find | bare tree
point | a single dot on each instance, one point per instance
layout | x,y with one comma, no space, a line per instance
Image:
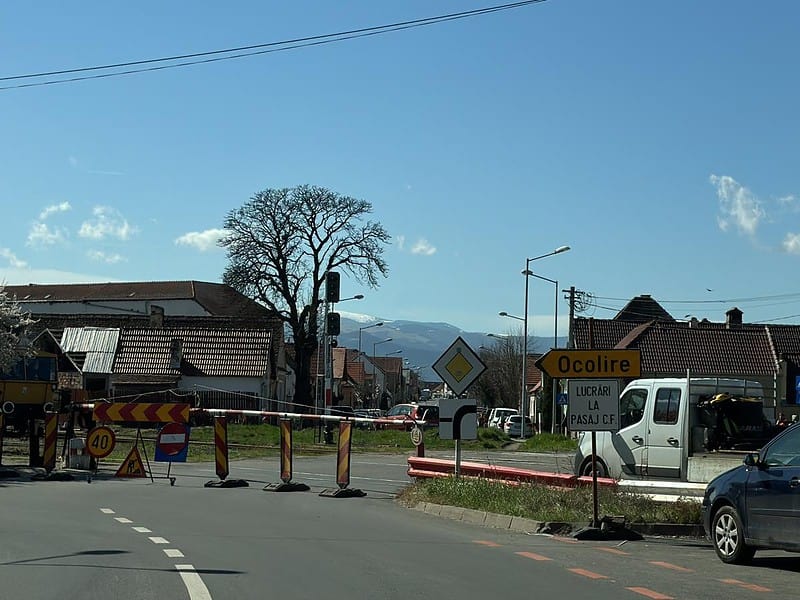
13,321
500,384
281,244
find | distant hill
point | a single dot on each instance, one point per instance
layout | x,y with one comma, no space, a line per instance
421,343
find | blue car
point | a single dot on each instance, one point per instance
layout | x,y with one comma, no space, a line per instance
757,505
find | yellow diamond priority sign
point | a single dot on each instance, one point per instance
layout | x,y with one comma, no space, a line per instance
459,366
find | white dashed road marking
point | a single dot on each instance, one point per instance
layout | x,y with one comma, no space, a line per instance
194,585
190,577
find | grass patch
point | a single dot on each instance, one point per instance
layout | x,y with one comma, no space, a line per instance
549,442
253,441
549,504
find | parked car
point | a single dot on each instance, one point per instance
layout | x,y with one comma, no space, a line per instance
757,504
403,416
498,415
512,426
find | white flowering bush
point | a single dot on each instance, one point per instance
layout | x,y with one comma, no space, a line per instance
13,321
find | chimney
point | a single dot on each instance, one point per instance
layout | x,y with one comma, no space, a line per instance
693,323
157,316
733,317
176,353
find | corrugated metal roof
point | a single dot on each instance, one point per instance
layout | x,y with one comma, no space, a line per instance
205,352
95,347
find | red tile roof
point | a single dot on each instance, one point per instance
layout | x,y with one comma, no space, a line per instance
216,298
208,352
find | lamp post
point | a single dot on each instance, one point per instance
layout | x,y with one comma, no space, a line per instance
360,329
375,364
328,354
525,272
529,273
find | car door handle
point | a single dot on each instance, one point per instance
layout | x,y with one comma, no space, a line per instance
794,482
637,439
673,441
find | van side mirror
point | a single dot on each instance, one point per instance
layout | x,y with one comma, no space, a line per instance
751,460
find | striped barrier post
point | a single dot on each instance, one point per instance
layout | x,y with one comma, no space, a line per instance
343,455
221,457
221,446
286,450
50,440
343,465
286,484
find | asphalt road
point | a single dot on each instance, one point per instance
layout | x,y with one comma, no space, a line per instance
137,539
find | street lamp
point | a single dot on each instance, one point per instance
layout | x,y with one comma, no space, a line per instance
375,365
503,313
327,357
529,273
360,329
526,272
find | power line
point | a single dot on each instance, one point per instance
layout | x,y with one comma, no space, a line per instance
793,295
251,50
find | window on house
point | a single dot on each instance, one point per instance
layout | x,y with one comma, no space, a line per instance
668,401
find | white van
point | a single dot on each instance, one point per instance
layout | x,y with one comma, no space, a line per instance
669,427
497,416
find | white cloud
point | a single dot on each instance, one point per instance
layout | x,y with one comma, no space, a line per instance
738,206
100,256
401,241
41,235
202,240
423,247
13,261
54,208
107,222
791,243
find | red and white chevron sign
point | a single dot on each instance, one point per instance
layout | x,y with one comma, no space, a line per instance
141,412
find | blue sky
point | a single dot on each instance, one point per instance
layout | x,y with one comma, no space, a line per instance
657,140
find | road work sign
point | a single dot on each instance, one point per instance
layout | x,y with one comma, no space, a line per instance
593,405
564,364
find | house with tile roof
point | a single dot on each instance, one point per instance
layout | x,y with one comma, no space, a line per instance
767,353
187,306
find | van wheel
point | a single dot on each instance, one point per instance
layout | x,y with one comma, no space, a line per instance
727,534
600,467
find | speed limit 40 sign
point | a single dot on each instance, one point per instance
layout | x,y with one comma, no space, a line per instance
100,441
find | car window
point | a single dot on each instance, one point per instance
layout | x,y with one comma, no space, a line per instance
785,450
631,407
668,401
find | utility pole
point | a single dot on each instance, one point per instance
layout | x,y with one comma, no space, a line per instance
571,341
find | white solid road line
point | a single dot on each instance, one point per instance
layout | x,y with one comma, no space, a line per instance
194,584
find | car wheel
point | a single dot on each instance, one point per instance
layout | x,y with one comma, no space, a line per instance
600,467
727,534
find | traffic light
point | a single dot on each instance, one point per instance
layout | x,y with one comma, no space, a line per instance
333,326
332,286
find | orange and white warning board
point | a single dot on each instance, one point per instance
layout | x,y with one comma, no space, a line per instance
132,465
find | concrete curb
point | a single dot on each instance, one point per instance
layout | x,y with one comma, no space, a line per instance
523,525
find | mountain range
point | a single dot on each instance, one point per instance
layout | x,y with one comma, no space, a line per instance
420,343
